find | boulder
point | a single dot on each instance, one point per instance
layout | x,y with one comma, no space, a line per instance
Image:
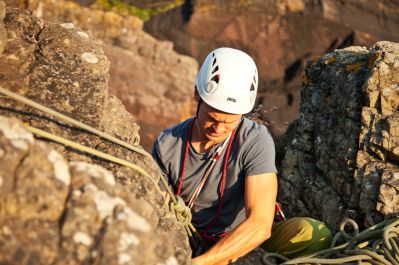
53,210
343,158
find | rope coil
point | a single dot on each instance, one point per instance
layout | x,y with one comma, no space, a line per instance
378,244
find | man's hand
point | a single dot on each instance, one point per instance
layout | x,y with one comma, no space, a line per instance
260,199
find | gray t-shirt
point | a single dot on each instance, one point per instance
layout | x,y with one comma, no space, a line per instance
252,153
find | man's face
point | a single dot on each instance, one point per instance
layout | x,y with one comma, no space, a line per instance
216,125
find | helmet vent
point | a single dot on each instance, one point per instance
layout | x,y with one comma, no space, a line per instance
214,73
215,78
215,69
253,83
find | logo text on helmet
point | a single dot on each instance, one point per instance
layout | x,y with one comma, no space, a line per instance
231,99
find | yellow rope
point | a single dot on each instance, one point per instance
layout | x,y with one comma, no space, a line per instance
91,151
110,138
182,212
72,121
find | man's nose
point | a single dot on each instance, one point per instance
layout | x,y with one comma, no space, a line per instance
219,127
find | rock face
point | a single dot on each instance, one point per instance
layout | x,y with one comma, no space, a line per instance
55,212
343,159
49,210
280,35
146,74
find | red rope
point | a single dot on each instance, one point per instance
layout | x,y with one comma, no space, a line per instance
190,129
222,188
222,184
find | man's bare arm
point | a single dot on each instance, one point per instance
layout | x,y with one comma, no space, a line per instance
260,198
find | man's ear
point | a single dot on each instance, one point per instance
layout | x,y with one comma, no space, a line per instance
196,95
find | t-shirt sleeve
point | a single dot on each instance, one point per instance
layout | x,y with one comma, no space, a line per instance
157,157
259,155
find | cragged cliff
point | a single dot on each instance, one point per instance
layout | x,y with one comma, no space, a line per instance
58,212
343,160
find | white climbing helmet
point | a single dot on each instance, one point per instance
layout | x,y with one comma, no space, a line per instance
228,81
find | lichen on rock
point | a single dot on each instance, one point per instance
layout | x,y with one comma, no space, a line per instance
343,157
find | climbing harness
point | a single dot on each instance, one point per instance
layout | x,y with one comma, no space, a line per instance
182,212
378,244
216,157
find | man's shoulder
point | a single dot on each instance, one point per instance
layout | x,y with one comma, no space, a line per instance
252,135
250,130
173,134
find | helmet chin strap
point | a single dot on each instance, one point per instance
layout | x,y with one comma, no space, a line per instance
197,117
198,107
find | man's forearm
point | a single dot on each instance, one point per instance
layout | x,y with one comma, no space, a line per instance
239,242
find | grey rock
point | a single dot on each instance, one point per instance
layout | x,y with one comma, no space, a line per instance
55,212
343,157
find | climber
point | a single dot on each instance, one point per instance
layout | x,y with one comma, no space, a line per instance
222,165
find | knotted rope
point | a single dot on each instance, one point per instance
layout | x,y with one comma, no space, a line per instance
378,244
182,212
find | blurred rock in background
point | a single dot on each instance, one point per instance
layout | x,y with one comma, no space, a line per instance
281,35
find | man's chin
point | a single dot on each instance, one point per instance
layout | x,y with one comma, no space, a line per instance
216,138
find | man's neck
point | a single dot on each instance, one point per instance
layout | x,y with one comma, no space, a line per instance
200,143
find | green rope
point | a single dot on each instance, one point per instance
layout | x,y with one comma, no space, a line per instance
272,258
378,244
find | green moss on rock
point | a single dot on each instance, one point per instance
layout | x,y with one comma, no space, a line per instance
143,13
